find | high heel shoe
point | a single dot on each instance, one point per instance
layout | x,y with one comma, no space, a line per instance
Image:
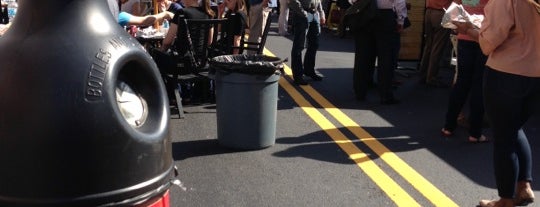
524,197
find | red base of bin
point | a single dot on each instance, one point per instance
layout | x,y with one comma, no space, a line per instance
163,201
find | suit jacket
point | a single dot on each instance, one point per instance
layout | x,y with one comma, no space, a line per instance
302,7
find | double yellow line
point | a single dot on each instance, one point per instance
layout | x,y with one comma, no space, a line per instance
387,184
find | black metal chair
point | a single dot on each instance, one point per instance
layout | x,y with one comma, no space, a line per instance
189,72
258,47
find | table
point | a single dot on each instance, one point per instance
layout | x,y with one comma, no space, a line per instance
150,42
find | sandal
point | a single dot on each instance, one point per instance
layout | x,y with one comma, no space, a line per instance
446,133
482,139
524,197
496,203
487,203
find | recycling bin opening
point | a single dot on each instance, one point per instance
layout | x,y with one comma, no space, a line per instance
133,106
135,95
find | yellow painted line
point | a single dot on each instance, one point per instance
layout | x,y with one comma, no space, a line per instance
432,193
389,186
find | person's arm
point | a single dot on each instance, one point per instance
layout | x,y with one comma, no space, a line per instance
296,8
236,44
166,15
322,16
149,20
401,11
211,35
499,20
142,21
169,38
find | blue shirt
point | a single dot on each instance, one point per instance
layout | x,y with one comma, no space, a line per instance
123,18
174,7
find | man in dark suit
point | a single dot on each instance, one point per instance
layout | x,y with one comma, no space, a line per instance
376,40
308,15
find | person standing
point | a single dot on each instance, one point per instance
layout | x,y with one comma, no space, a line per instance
436,41
343,23
308,15
378,40
470,69
509,36
258,11
283,21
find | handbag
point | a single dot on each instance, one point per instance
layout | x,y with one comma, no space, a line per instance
406,23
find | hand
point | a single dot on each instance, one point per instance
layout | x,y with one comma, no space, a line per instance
162,6
462,27
399,28
169,15
322,20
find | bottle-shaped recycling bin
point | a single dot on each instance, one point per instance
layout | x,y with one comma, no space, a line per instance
83,110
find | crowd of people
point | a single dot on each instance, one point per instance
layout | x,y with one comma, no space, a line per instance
498,68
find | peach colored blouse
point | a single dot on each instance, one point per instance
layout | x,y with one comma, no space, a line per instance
510,36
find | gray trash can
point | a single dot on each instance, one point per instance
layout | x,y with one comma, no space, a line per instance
246,100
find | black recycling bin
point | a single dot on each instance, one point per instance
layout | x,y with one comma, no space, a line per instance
246,100
83,111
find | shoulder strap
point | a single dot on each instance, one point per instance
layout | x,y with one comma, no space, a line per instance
186,39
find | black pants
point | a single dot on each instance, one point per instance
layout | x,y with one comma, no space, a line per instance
377,41
509,101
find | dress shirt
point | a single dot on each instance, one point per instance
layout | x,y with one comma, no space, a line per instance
399,6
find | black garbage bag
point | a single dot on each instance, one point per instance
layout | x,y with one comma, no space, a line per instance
248,64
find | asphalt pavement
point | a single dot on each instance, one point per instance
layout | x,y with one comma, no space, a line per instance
332,150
